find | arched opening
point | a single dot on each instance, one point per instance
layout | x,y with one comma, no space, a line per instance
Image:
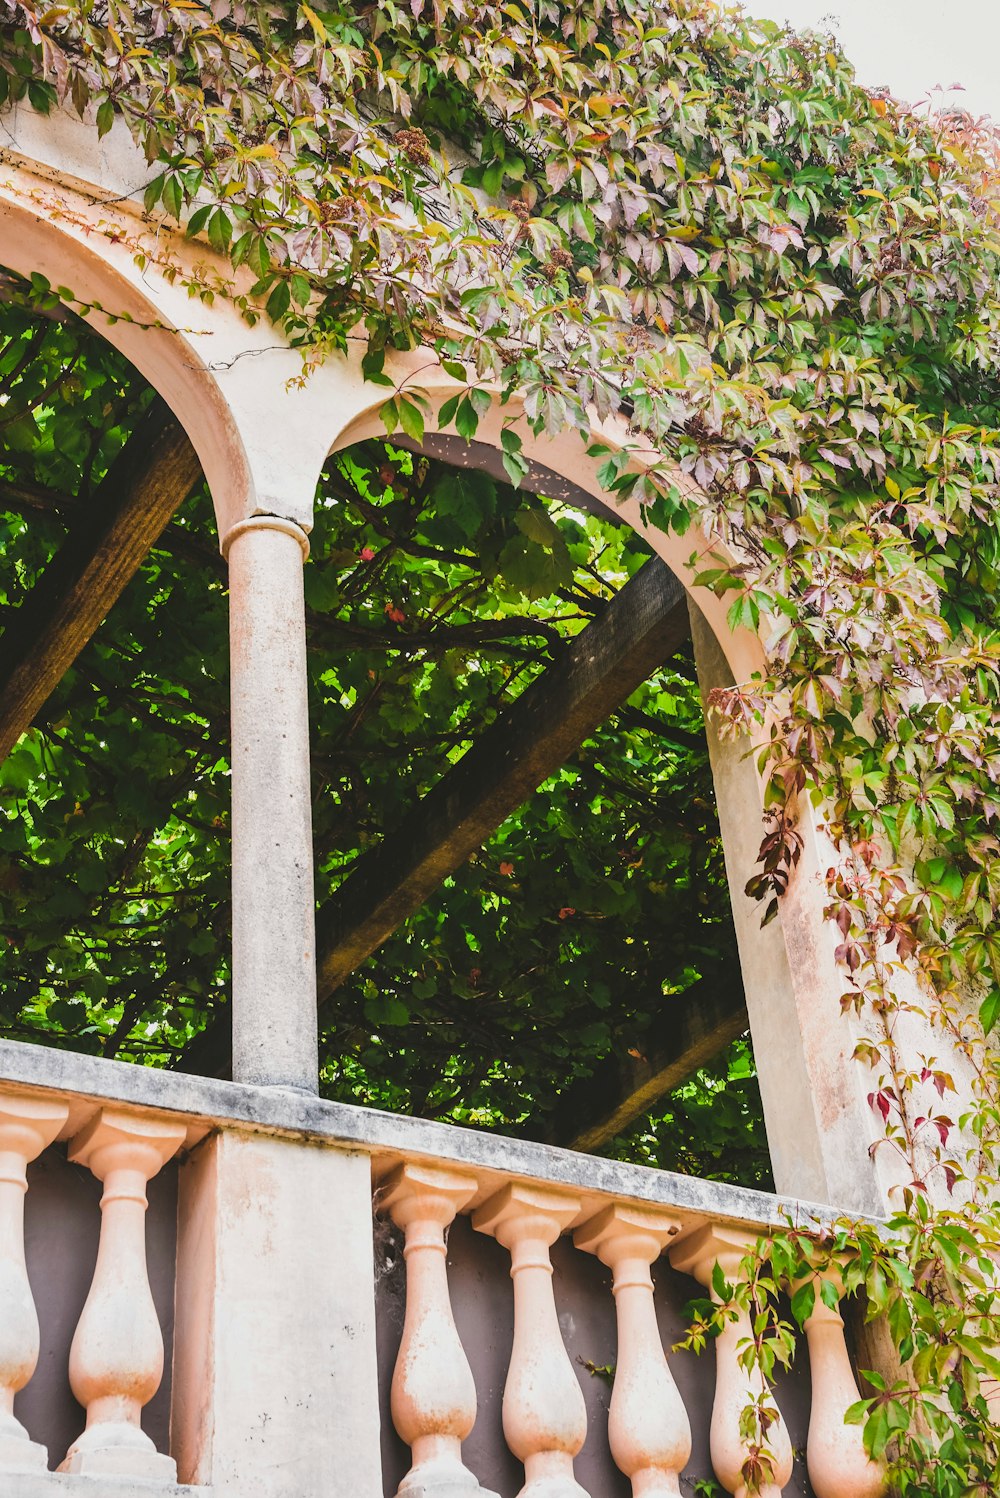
90,792
555,954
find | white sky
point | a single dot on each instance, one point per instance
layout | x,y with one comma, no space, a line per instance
910,45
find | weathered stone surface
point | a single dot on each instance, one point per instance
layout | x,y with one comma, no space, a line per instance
204,1101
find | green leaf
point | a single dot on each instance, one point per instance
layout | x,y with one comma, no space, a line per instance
372,365
446,415
279,301
259,259
989,1011
153,192
411,419
197,220
516,467
804,1301
466,419
172,195
386,1009
220,232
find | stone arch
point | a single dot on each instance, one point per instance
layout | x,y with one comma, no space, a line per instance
46,228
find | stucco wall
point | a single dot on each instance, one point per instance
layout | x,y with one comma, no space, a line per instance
479,1280
62,1219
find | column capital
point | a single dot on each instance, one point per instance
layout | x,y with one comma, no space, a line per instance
413,1190
265,523
116,1140
697,1252
520,1210
28,1125
618,1228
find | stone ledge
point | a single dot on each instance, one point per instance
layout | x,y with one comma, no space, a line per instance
65,1485
206,1103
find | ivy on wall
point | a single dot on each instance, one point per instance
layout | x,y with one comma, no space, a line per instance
790,287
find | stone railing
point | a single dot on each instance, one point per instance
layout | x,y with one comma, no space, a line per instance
573,1251
288,1328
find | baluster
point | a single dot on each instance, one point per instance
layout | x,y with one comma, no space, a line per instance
544,1415
648,1427
433,1394
27,1126
735,1387
116,1360
835,1454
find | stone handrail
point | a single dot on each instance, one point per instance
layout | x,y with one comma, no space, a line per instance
123,1123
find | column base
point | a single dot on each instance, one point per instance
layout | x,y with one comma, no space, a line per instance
19,1454
121,1461
554,1486
444,1481
445,1488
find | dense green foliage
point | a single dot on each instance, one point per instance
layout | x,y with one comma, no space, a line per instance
434,596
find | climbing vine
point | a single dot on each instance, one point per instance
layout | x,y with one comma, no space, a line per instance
790,288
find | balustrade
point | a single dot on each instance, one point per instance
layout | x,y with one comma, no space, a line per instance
433,1393
734,1453
564,1340
116,1361
544,1415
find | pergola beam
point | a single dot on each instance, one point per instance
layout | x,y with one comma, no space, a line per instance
151,477
690,1028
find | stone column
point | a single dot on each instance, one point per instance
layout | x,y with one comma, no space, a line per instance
819,1124
274,944
648,1427
837,1463
544,1414
116,1360
433,1391
737,1387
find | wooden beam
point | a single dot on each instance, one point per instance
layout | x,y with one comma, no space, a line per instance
642,626
639,629
152,475
689,1030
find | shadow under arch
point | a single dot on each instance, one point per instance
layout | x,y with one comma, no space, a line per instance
33,240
